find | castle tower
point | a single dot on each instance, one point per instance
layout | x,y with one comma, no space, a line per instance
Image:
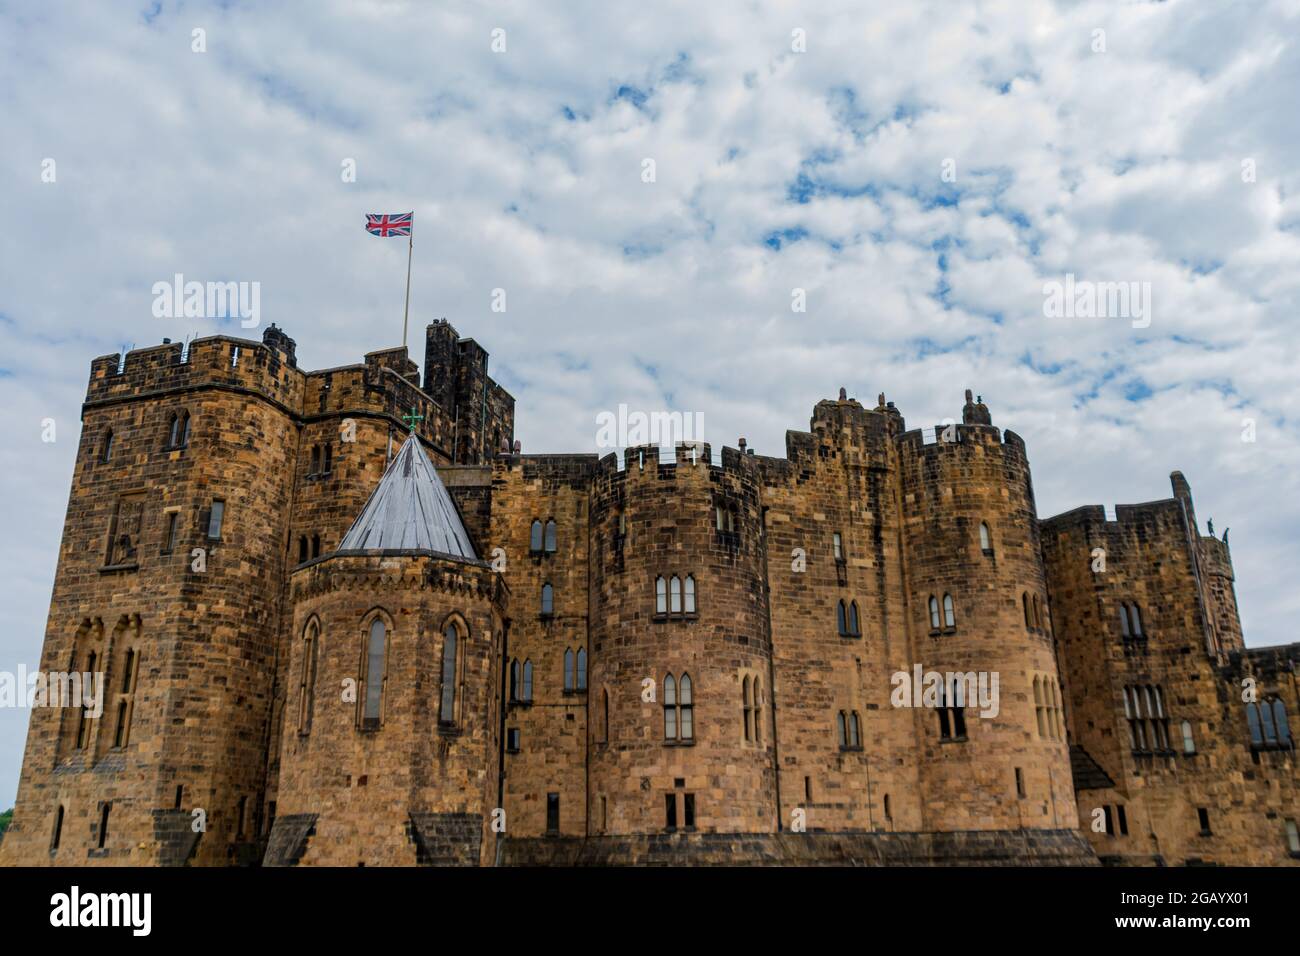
456,378
839,629
389,746
168,589
680,706
977,604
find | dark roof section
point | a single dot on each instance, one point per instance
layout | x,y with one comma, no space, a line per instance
1087,773
410,510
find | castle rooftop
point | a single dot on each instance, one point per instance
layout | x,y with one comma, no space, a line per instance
410,510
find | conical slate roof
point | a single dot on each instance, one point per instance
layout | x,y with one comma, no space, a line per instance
410,510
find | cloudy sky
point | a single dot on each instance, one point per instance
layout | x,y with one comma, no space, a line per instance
794,146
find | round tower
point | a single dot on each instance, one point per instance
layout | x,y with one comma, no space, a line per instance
681,728
390,739
980,632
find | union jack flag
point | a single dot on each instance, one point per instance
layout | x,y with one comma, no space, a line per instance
384,224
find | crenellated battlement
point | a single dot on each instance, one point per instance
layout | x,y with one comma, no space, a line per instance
216,361
1127,518
385,385
955,437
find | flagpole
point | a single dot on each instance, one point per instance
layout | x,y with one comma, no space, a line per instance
407,314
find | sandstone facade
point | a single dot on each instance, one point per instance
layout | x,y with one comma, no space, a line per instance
676,656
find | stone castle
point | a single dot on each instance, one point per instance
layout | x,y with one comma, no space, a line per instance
341,620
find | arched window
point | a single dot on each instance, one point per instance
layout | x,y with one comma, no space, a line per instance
83,727
568,669
1038,613
1252,719
661,595
550,534
1123,621
178,435
717,511
853,619
307,678
302,549
747,708
375,665
516,681
126,699
604,716
758,711
535,536
690,594
548,600
952,719
675,595
450,648
1024,599
105,453
934,613
315,546
687,707
842,730
1189,744
670,708
949,618
582,668
855,738
1280,722
315,460
1040,708
1144,708
528,680
841,619
58,828
1266,718
1135,620
986,543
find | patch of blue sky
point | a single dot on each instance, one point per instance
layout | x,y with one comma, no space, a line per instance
1043,368
941,290
679,71
925,347
805,188
845,109
779,238
1082,398
1201,267
1004,87
632,94
1136,390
